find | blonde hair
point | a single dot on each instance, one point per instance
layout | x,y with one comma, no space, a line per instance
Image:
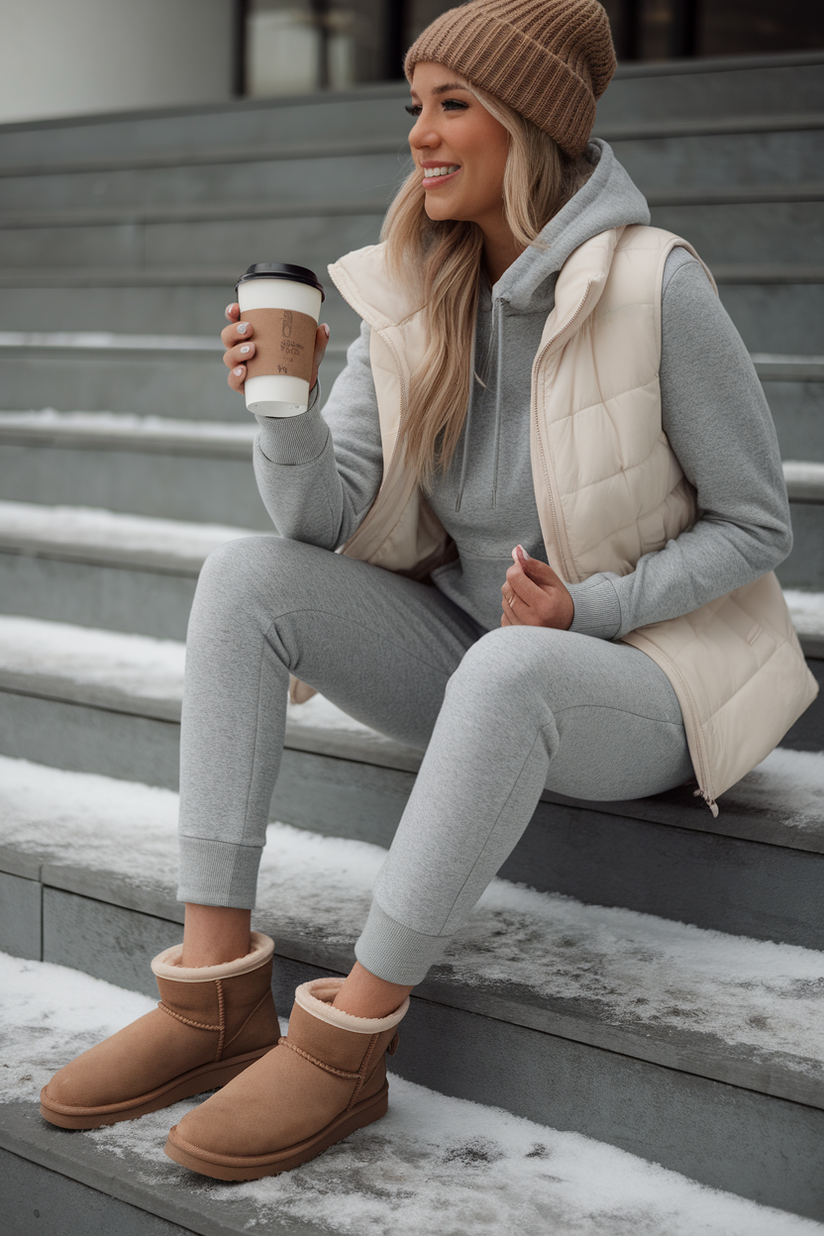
441,261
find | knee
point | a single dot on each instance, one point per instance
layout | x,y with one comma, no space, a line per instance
243,573
508,662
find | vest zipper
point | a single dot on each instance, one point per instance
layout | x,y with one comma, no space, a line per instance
561,542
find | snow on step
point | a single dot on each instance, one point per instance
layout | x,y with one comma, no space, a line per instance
433,1166
650,979
78,528
149,430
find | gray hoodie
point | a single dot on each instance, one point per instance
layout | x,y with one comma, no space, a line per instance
318,475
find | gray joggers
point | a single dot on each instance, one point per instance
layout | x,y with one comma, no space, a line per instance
500,715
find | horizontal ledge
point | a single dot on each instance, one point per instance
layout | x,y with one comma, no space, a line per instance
208,346
225,277
389,145
148,216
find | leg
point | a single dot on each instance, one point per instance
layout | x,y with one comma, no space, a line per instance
527,708
380,646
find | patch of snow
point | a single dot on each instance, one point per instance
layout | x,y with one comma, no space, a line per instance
806,609
129,424
435,1166
90,526
323,714
637,970
789,781
135,664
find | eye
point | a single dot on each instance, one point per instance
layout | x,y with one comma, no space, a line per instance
414,109
454,105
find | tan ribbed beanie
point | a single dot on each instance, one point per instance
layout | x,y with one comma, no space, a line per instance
548,59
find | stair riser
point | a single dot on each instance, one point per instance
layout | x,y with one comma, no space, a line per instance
763,90
184,309
798,412
35,1200
721,1134
723,883
322,179
722,160
716,160
146,385
137,599
187,487
772,317
88,594
789,232
307,240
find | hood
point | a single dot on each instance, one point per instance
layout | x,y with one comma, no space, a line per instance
608,199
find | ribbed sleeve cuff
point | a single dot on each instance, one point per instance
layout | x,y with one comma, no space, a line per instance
291,440
217,873
597,608
396,953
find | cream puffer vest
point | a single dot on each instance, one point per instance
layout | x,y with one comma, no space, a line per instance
608,487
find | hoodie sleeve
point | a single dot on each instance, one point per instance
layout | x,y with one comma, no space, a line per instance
718,423
318,475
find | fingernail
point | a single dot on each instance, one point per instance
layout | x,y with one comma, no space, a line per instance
523,552
237,372
326,330
226,311
242,328
243,351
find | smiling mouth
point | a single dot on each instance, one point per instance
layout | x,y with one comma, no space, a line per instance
432,175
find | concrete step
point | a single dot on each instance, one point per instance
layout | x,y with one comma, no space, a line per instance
755,151
185,302
434,1164
98,702
776,307
693,90
98,569
96,371
562,1002
779,226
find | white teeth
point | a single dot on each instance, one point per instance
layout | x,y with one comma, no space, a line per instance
429,172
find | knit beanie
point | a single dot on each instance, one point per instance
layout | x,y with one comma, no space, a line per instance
548,59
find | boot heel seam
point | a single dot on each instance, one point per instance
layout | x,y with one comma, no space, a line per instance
361,1075
221,1014
240,1030
327,1068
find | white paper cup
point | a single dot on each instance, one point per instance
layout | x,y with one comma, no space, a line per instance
283,304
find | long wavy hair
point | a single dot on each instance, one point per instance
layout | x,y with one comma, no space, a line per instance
441,260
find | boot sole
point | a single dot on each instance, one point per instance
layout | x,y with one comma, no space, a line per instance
229,1167
206,1077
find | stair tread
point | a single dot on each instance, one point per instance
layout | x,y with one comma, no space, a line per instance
88,532
779,802
433,1164
726,1007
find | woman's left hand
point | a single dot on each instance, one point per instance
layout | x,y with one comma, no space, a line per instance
534,596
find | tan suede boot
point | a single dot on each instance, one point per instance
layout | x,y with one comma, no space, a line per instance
323,1081
211,1023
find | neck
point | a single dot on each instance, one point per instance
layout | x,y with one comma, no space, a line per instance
499,254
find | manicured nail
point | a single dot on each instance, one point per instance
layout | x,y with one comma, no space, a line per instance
237,372
242,328
245,349
524,555
326,331
226,312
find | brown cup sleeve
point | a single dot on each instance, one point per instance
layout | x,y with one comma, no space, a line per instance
284,343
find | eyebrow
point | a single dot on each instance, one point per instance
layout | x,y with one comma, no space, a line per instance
445,89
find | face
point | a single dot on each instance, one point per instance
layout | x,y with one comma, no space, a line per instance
459,147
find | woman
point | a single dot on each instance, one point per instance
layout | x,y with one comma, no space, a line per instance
536,368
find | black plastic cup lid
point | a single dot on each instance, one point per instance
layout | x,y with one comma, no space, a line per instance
282,270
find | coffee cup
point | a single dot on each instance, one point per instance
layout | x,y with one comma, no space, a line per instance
282,302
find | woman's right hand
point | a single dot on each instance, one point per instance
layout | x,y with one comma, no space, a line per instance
240,348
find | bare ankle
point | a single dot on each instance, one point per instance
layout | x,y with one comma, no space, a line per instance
214,935
365,995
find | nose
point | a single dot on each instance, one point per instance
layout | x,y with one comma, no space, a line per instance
423,135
